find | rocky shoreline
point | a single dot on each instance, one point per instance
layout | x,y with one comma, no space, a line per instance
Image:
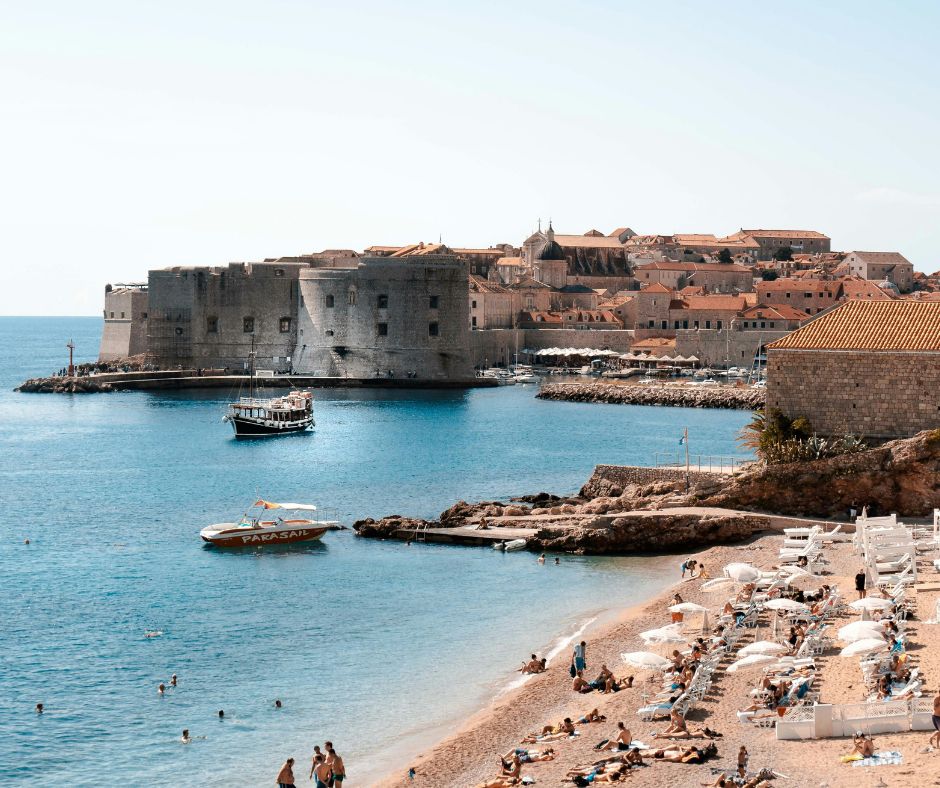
676,396
613,515
64,385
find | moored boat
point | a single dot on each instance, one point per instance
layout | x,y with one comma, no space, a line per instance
251,530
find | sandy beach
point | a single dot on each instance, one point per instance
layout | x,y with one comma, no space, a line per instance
472,754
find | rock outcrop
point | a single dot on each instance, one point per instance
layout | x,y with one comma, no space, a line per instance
676,396
901,476
647,532
63,385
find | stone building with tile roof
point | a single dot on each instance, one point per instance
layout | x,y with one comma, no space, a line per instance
868,368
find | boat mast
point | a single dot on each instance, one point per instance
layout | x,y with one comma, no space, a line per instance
251,369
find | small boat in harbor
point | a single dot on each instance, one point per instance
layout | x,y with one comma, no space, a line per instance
251,530
254,417
513,544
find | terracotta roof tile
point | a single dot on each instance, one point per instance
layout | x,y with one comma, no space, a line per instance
870,325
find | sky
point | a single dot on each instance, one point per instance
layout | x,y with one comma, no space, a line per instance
139,135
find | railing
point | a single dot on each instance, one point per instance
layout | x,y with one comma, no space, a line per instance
701,463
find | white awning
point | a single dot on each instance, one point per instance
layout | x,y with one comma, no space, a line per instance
307,507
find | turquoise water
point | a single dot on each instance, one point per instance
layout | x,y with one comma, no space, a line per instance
377,646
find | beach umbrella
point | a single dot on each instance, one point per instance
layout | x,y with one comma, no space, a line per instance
718,584
871,603
859,630
645,659
762,647
750,661
668,634
688,607
742,573
786,604
866,646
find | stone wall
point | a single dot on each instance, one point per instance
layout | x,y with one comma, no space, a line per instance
879,395
395,317
213,317
612,480
125,323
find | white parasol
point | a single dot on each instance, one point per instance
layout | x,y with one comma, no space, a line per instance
751,661
762,647
718,584
688,607
786,604
742,573
871,603
645,659
666,634
860,630
866,646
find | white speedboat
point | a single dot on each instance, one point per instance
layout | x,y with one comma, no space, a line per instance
514,544
525,377
251,530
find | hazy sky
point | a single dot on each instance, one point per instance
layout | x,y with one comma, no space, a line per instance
137,135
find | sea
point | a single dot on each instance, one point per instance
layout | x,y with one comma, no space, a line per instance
380,647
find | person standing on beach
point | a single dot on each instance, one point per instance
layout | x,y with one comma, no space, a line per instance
285,777
320,772
578,658
336,766
935,739
860,583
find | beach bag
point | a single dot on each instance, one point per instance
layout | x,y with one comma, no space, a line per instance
572,671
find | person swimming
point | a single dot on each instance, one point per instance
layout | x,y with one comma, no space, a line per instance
186,738
161,688
173,680
221,714
277,703
39,708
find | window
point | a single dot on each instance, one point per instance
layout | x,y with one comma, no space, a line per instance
719,325
351,296
695,324
112,315
212,325
788,295
329,332
763,324
664,324
179,332
284,325
435,300
677,324
473,322
433,330
329,302
279,272
122,315
650,324
143,315
474,269
771,323
708,324
473,304
381,329
382,302
248,325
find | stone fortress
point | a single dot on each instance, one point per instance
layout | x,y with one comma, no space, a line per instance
432,312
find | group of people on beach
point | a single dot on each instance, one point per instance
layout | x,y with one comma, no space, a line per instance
327,769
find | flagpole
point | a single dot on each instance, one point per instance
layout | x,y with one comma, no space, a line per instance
686,438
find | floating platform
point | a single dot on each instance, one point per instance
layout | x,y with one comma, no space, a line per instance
464,536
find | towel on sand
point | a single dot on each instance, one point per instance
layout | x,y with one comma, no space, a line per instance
886,758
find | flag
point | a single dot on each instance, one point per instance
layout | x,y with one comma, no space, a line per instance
682,440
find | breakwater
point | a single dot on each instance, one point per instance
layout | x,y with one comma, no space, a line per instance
675,396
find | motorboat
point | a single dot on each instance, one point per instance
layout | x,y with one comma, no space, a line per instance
252,530
525,377
501,376
514,544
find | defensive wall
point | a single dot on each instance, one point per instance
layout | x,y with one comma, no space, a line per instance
386,317
712,347
498,346
215,316
125,322
876,394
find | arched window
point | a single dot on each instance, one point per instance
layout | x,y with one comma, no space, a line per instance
351,296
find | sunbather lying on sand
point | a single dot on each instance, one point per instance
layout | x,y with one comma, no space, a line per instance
527,756
728,781
676,755
511,766
701,733
592,716
609,773
499,782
